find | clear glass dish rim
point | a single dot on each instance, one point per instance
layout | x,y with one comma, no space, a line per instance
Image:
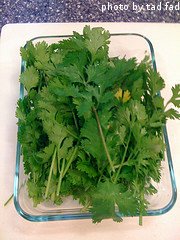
66,216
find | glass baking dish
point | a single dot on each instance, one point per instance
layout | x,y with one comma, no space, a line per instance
122,44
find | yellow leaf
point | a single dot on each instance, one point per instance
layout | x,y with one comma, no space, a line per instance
118,95
126,96
123,97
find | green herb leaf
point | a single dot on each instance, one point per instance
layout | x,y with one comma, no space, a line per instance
30,78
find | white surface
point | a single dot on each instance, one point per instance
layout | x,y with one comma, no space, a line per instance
166,41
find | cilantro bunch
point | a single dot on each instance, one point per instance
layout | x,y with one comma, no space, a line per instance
91,126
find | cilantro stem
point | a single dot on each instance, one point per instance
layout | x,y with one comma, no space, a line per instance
50,173
60,177
72,134
70,160
123,159
9,199
140,219
59,159
75,121
74,115
133,153
141,208
167,104
12,195
63,171
103,140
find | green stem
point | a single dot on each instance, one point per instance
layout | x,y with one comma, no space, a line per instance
123,159
50,173
70,160
60,177
72,134
103,140
167,104
133,153
12,195
9,199
58,158
140,219
73,114
75,121
141,208
64,170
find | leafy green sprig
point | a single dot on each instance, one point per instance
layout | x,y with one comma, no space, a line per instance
91,126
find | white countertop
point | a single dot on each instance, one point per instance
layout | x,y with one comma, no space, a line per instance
166,41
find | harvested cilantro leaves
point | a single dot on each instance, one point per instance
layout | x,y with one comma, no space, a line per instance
91,126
